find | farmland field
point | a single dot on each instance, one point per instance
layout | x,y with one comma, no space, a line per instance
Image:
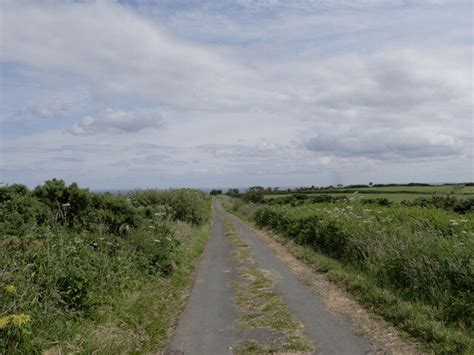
392,193
394,197
410,262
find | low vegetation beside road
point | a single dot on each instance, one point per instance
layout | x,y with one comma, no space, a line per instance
85,272
412,263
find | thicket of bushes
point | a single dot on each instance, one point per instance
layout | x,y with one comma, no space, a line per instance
65,252
448,203
422,254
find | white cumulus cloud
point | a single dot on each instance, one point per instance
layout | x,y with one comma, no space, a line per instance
114,121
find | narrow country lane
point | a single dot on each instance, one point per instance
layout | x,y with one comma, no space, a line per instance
217,319
207,323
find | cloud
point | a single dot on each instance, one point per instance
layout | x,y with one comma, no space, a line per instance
125,55
113,121
395,79
252,92
237,151
387,144
47,110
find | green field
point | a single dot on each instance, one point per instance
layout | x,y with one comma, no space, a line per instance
395,197
392,193
440,189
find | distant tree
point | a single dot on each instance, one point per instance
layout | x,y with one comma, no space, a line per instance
371,184
215,192
268,190
339,185
255,194
233,192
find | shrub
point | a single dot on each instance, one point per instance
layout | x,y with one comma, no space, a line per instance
187,205
115,212
68,204
233,192
254,194
448,203
380,201
20,213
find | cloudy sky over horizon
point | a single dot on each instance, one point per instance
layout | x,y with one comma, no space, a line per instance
141,93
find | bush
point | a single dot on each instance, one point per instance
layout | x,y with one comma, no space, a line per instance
255,194
233,193
380,201
114,212
187,205
20,212
448,203
158,246
67,203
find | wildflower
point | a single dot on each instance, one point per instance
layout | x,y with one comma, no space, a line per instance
9,289
4,322
20,319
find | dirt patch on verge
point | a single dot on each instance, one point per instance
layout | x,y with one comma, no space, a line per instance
384,336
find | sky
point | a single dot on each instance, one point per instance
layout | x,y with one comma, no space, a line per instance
221,93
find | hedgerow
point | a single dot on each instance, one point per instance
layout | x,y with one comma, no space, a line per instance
422,254
66,252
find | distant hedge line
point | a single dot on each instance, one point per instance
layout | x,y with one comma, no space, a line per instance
448,203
